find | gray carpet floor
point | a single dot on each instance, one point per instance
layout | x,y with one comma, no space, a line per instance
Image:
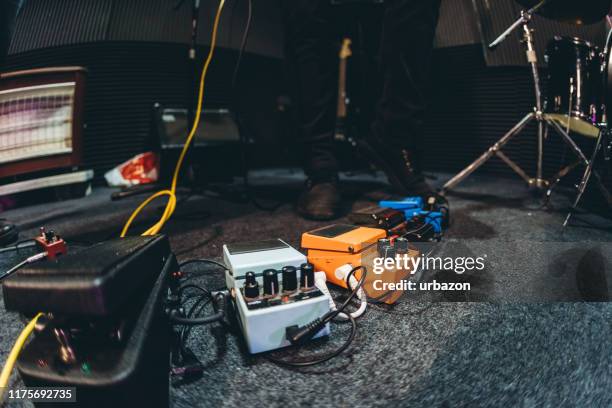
535,329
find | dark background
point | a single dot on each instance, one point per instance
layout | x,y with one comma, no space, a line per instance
136,52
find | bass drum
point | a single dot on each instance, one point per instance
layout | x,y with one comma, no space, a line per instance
607,80
574,79
607,87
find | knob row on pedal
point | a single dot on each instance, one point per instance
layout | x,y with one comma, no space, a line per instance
271,284
388,249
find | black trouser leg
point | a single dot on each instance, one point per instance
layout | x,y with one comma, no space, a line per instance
406,46
311,52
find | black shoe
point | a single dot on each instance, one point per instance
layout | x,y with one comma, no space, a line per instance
320,201
8,233
397,165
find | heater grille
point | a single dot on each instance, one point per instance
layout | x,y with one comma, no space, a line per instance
36,121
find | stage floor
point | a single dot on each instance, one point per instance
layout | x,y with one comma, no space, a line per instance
524,335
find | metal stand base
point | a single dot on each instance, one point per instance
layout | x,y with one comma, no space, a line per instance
494,150
534,182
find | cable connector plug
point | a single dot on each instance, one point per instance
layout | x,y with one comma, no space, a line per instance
32,259
37,257
190,365
301,334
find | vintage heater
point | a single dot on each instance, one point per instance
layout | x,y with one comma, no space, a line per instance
41,129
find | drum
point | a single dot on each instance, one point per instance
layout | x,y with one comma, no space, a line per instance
575,79
607,80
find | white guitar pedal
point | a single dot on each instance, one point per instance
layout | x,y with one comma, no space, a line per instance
273,288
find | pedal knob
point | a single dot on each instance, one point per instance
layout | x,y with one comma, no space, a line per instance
270,282
289,278
389,252
251,287
306,275
382,244
401,245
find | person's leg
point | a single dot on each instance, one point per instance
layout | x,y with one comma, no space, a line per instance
406,47
311,53
310,50
8,13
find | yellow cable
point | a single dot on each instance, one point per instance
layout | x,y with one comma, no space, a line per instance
171,193
12,358
170,206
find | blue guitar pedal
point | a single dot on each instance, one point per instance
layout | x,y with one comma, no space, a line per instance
414,207
403,204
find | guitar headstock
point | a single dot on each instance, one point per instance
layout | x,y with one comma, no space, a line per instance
345,50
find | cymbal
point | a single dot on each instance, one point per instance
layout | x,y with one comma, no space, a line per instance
571,11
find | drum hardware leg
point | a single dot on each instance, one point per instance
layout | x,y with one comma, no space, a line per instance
538,182
569,141
585,180
600,184
556,179
607,145
517,169
586,162
590,171
540,149
492,151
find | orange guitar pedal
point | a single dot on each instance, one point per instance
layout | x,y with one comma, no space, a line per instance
336,245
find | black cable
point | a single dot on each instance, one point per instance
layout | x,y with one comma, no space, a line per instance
192,313
14,269
196,310
202,260
324,320
176,318
185,287
355,290
201,302
18,245
243,44
324,358
236,112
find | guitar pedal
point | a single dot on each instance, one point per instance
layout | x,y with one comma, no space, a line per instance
108,335
377,217
272,287
414,207
334,246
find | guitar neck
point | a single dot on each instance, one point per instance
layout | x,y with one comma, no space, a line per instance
342,111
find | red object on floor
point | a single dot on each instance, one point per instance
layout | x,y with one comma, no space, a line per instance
141,169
